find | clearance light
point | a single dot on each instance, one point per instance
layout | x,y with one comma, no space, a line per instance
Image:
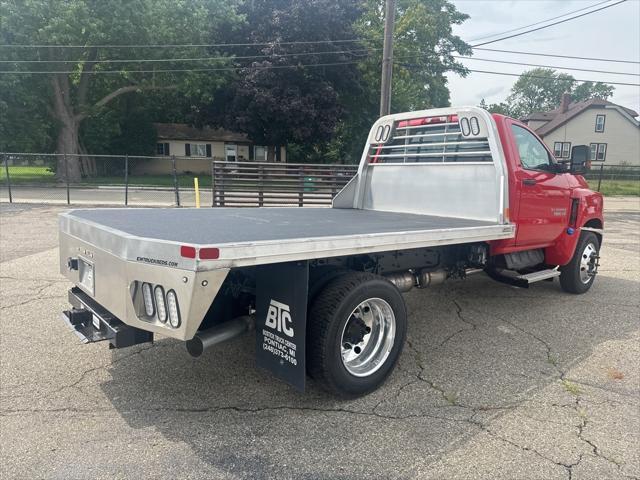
148,299
160,305
414,122
187,251
174,311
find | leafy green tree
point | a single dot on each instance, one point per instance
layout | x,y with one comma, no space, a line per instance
501,108
541,89
537,90
324,113
588,90
80,92
424,45
276,104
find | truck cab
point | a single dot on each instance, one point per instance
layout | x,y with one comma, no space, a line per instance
550,201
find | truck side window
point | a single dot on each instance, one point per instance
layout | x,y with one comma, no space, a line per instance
533,155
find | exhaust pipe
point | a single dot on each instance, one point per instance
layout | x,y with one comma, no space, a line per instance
405,281
218,334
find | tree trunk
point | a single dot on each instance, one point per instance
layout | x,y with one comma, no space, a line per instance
68,165
68,145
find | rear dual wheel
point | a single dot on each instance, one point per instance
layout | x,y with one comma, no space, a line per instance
356,330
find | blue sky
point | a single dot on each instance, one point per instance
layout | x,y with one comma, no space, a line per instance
612,33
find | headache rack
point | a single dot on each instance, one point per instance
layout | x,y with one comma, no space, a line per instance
446,162
431,139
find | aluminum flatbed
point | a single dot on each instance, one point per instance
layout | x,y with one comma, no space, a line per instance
435,195
253,236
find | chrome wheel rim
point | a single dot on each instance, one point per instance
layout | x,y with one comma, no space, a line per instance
588,263
367,337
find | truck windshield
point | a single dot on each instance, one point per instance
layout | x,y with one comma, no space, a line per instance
533,155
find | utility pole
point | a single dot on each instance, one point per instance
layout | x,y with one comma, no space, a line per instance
387,58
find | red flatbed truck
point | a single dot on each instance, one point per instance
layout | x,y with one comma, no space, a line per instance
438,194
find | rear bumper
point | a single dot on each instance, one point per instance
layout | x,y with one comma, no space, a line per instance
93,323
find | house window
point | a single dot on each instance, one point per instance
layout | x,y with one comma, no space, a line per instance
600,123
162,148
562,149
231,152
557,149
260,153
598,152
198,150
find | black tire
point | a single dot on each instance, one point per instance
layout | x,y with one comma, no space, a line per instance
328,316
319,277
570,280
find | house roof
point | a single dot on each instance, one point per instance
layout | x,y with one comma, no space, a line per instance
556,118
183,132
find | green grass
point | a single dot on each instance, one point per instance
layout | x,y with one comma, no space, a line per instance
617,187
32,175
571,387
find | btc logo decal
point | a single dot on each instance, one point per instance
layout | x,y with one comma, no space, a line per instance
279,318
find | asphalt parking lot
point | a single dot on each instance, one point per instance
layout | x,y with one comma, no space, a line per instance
494,383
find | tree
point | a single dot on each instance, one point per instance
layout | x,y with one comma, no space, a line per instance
84,93
502,108
289,97
588,90
541,89
537,90
324,113
424,45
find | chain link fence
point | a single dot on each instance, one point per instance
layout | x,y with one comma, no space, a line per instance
108,180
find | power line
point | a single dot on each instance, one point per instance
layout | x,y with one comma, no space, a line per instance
187,45
547,66
546,77
221,69
195,59
537,23
410,65
556,56
549,25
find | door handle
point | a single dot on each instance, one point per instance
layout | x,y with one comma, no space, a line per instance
529,181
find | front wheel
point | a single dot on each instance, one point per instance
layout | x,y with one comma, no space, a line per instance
357,327
578,275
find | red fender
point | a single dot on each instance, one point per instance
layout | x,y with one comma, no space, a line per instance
589,214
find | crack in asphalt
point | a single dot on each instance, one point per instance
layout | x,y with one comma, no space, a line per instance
594,448
33,297
84,374
462,319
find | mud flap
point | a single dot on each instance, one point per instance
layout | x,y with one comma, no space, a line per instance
281,320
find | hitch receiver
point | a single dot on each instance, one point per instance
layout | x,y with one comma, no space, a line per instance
92,323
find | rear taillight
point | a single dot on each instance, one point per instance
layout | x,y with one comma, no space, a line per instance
160,305
147,298
156,305
174,311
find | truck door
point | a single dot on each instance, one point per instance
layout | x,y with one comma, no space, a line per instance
544,205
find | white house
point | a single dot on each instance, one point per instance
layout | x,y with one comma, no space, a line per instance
611,131
195,148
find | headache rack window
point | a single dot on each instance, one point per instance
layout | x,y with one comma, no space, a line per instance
431,143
